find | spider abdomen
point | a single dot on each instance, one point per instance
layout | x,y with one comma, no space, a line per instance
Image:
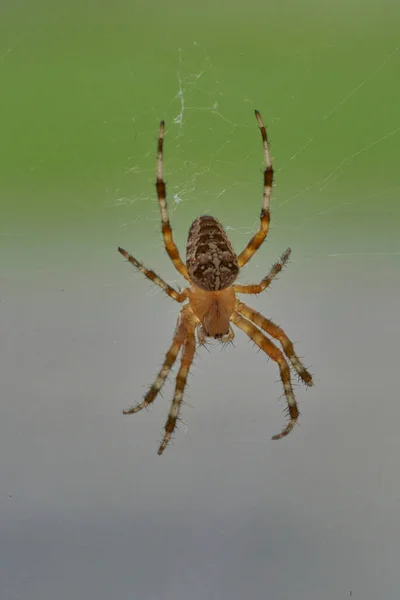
211,262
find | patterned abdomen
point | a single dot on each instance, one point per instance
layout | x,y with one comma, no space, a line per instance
211,262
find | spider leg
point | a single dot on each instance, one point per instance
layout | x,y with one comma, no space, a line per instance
170,358
261,234
273,273
169,243
276,332
172,293
273,352
188,353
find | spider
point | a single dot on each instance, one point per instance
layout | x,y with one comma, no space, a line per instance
210,302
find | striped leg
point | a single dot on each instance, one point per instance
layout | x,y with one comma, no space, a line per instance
170,358
273,273
261,234
181,379
178,296
169,243
273,352
276,332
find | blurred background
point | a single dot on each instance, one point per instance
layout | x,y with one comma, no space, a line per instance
87,508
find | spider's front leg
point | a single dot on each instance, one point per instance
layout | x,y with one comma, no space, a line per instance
169,361
188,353
273,352
277,333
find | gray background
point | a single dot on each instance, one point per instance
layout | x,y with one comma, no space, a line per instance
87,508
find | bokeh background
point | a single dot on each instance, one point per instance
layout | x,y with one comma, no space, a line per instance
87,508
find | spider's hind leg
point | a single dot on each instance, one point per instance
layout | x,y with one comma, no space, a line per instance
166,228
262,233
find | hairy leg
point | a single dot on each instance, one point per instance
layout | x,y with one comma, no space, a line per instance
178,296
261,234
169,243
276,332
170,358
273,352
273,273
181,379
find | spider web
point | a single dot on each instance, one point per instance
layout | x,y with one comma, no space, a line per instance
213,164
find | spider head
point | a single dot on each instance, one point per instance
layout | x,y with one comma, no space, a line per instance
213,309
216,321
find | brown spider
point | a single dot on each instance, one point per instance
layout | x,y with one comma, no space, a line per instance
211,269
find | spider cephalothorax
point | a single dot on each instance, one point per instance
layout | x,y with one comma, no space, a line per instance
210,302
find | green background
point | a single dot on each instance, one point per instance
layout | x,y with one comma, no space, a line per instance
86,506
85,85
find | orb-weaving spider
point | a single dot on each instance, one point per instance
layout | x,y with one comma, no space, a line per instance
210,300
